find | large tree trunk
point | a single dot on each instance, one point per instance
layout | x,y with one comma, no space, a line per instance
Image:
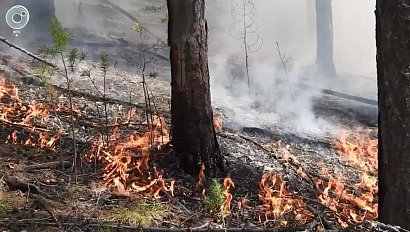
324,30
193,136
393,68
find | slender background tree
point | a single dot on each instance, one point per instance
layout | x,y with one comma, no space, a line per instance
193,135
393,68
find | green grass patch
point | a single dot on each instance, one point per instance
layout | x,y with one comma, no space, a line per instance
214,197
143,214
5,209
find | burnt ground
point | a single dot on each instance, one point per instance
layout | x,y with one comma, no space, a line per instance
249,151
89,205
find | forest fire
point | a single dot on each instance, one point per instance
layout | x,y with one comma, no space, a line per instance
43,140
203,117
226,206
126,161
358,148
278,202
14,112
201,176
360,203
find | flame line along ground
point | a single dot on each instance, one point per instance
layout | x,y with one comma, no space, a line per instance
311,175
296,166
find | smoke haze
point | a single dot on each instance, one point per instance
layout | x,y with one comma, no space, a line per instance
275,98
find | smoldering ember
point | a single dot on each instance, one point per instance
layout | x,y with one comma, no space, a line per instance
194,115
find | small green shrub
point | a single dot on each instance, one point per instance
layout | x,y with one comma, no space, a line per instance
215,197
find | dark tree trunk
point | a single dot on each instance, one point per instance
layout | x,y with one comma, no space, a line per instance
393,70
193,136
324,30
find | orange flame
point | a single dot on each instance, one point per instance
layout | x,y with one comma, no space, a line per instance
201,176
278,202
359,148
357,204
243,203
217,121
14,111
127,160
226,206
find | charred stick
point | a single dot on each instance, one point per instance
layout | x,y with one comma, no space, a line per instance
15,184
64,164
4,40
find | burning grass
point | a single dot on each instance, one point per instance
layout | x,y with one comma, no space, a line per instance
358,148
126,160
127,166
32,117
279,204
359,202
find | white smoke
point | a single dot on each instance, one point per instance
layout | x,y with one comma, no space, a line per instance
276,98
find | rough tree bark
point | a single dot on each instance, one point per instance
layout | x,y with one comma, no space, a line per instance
393,68
324,30
193,136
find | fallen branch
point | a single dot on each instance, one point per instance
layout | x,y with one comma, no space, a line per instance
131,17
15,184
64,164
4,40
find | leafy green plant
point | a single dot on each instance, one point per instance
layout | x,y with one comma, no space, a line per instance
215,198
60,37
60,40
